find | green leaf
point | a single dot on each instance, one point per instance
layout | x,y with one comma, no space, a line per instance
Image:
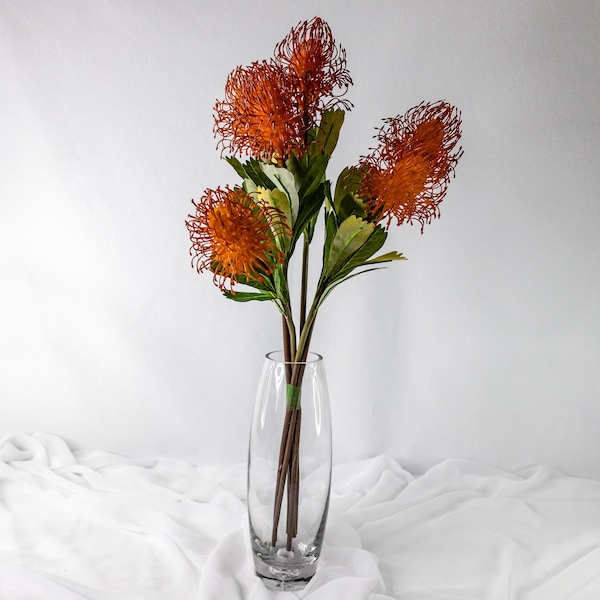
347,184
309,208
277,199
350,236
309,230
293,166
237,165
284,180
251,170
314,176
254,168
266,285
393,255
281,201
328,131
249,186
363,254
248,296
349,206
330,229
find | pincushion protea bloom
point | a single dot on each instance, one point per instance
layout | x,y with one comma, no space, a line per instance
235,237
270,106
316,68
407,175
258,116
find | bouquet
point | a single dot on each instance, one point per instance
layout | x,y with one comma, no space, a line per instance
277,126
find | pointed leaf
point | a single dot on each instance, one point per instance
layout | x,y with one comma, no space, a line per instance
363,254
330,229
284,180
347,184
237,165
315,176
349,205
293,165
248,296
309,208
350,236
266,285
386,258
328,131
251,170
254,168
249,186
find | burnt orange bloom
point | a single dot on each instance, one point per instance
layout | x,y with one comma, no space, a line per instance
270,106
258,116
407,175
234,237
316,66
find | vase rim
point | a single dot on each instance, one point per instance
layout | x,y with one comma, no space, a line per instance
278,356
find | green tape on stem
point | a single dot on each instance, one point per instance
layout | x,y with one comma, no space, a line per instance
293,396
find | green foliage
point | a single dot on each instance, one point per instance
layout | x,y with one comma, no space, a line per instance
348,238
300,190
314,176
328,131
388,257
346,200
309,210
350,247
248,296
251,170
267,285
285,182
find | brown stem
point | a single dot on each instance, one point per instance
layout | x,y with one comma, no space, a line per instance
282,470
304,286
289,496
294,484
281,475
289,459
300,363
287,348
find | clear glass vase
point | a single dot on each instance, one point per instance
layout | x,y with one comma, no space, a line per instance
289,471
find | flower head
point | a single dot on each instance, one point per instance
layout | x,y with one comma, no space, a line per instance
258,116
407,175
316,66
234,237
270,106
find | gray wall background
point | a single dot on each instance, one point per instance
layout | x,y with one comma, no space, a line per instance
484,345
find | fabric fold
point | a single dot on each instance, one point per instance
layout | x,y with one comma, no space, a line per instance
99,526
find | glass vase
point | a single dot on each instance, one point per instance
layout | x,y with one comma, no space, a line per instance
289,471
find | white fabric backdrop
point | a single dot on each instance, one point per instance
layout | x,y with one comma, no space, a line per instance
484,345
95,525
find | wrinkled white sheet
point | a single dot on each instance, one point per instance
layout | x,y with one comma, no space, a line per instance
95,525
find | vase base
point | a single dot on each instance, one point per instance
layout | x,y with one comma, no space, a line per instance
282,577
283,585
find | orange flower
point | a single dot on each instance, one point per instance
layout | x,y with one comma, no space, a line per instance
234,237
270,106
316,67
407,175
258,116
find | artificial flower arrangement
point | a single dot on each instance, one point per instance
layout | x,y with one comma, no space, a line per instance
284,116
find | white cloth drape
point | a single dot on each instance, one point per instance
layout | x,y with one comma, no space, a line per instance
94,525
